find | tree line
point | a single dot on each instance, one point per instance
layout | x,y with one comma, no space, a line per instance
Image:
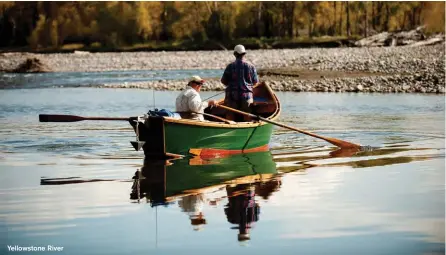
112,24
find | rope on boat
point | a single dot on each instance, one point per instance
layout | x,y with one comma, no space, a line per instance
153,95
137,130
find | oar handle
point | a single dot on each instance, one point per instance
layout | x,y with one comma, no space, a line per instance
73,118
334,141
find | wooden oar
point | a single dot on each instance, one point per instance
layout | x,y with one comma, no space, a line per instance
73,118
334,141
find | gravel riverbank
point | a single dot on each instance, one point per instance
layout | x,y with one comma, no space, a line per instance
380,69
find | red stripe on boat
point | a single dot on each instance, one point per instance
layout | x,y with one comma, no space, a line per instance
214,153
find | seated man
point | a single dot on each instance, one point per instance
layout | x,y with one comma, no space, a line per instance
188,102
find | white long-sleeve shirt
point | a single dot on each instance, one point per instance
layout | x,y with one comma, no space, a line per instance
189,100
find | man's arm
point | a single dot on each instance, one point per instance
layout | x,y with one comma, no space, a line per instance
255,77
226,75
196,105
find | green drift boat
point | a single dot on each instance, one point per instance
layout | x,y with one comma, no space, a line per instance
165,136
164,181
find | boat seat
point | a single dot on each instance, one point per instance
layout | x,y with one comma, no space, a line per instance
261,101
263,105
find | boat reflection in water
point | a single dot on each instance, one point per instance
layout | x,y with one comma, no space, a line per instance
193,182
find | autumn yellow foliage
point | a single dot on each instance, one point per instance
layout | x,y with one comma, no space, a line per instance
111,24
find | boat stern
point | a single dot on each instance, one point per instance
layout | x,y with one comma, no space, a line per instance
149,136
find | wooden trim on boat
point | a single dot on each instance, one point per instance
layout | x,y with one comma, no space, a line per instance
276,101
190,122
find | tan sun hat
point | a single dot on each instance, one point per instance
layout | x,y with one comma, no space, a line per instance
196,79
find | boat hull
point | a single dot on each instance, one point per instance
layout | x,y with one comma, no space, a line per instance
181,138
184,138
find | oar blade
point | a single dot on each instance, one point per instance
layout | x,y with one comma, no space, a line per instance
341,143
59,118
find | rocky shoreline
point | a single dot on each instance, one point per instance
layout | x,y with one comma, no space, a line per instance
405,69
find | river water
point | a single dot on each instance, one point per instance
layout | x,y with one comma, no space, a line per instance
298,198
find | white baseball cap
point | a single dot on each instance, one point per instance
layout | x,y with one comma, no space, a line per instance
240,49
196,79
243,237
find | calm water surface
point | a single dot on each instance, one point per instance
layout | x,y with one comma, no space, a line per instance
299,198
89,79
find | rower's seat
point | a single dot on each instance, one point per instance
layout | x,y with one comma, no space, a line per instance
260,101
263,105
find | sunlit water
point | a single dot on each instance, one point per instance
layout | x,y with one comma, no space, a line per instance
386,201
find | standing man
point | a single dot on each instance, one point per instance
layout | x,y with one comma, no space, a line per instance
239,78
242,209
189,103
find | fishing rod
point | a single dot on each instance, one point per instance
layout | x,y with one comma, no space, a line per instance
214,95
